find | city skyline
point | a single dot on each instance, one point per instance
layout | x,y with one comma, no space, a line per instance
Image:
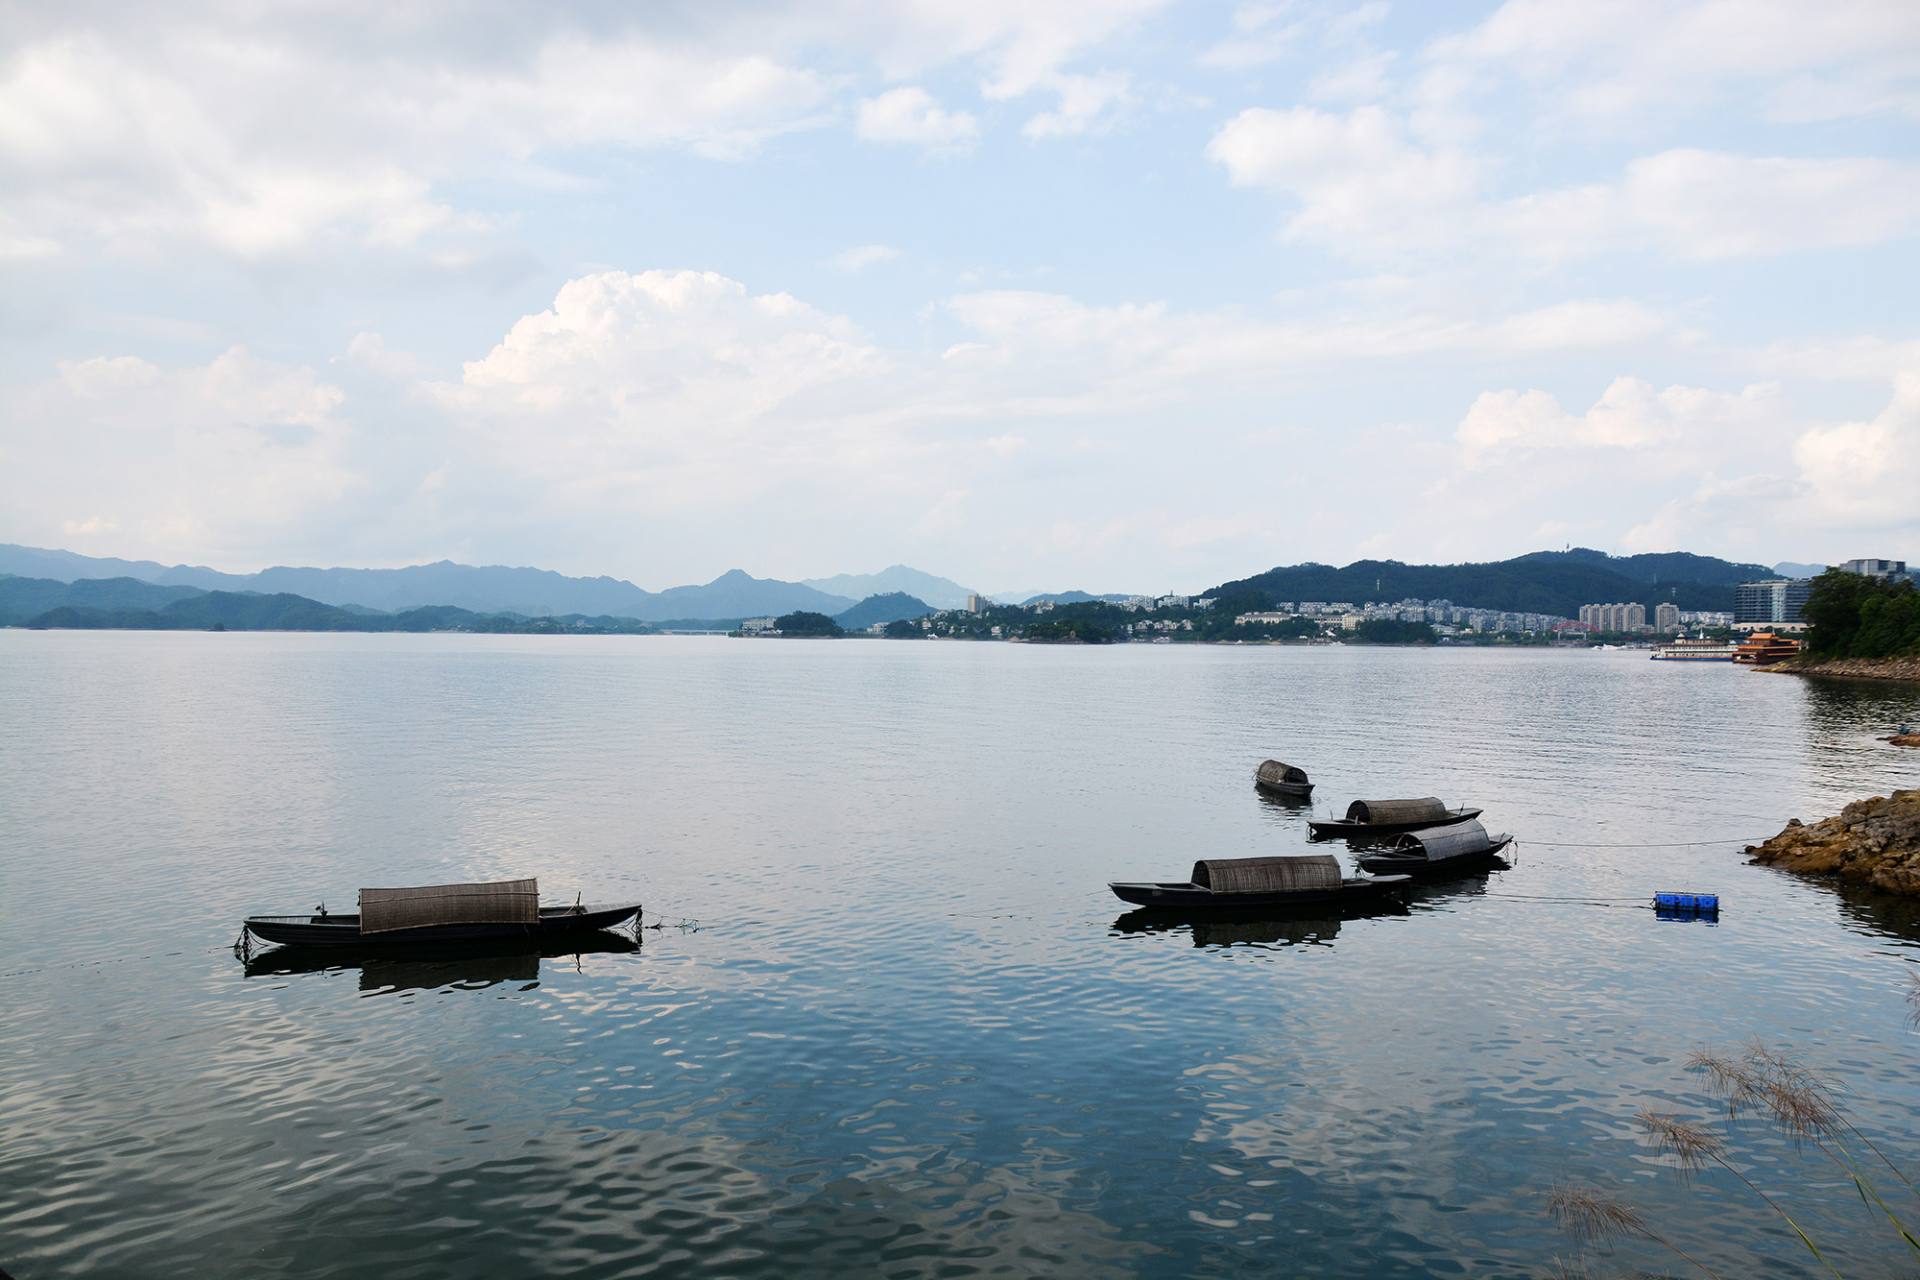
1123,295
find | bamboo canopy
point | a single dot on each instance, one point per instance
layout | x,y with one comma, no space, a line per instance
1267,875
1275,773
1428,809
1441,843
497,902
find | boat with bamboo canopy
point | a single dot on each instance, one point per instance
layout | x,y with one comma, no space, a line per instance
438,914
1368,819
1247,884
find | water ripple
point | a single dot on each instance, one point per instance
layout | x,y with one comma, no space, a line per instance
913,1035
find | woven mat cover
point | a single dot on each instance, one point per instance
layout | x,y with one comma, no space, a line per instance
498,902
1267,875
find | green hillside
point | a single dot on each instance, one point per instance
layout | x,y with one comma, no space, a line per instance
1556,582
25,598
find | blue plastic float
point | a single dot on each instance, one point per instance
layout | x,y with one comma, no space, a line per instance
1674,905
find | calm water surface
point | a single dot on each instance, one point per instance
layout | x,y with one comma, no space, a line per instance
912,1033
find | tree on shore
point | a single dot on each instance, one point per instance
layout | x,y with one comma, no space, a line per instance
1393,631
1850,615
806,623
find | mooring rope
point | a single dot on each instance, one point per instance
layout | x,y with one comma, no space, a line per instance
1658,844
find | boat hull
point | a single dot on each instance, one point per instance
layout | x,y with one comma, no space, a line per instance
1421,868
344,930
1341,828
1193,898
1291,790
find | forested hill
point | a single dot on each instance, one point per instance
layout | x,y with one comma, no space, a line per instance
893,606
1556,582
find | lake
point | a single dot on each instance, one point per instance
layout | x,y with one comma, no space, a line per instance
896,1023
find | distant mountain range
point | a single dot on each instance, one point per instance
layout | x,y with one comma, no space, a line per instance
129,604
1789,569
1554,582
490,589
500,597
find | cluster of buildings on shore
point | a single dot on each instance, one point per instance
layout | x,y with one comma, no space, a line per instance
1631,619
1769,604
1774,604
1132,604
1444,616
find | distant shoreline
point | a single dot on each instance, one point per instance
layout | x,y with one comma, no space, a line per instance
653,633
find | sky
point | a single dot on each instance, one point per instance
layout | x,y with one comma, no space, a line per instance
1107,294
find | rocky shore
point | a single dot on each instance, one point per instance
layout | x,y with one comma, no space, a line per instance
1854,668
1875,843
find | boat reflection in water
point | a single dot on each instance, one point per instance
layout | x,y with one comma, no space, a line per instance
1229,931
450,968
1283,803
1466,882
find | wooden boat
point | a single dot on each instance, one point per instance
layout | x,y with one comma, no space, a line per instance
435,915
1282,779
1245,884
1449,850
1369,818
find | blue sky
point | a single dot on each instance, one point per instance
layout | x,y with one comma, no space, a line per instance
1121,295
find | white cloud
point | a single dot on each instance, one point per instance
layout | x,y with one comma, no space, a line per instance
139,136
1361,79
265,132
1691,467
684,396
669,390
1356,178
210,459
1867,474
1362,184
1702,204
1262,33
91,527
1058,354
1022,45
1630,415
910,115
1086,103
862,256
369,351
1618,60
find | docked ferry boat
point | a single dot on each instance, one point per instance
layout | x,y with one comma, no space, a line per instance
1684,650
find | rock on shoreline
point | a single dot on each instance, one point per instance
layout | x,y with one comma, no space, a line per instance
1872,842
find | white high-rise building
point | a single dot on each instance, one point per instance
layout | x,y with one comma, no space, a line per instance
1876,568
1614,617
